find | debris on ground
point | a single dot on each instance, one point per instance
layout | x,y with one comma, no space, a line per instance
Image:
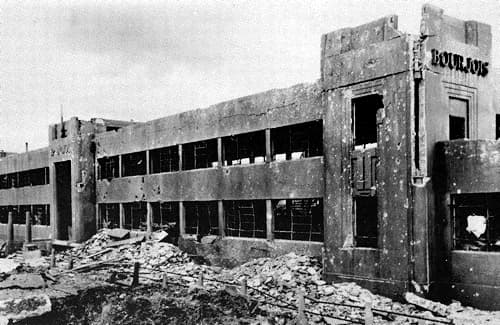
274,287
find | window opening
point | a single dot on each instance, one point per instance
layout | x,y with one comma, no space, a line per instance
365,221
364,120
298,219
297,141
166,218
497,127
108,167
245,218
476,221
459,118
40,215
4,214
164,160
134,164
109,216
247,148
202,154
135,216
201,218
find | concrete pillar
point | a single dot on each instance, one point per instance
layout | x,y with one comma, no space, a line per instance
122,216
120,168
269,220
182,219
149,218
97,216
10,230
222,224
268,145
27,237
147,163
180,157
219,151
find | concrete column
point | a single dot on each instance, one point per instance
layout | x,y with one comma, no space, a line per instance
268,146
222,223
147,163
122,216
180,157
27,237
149,218
97,215
182,219
120,171
10,229
269,220
219,151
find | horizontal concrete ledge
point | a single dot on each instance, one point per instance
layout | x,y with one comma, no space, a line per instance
302,178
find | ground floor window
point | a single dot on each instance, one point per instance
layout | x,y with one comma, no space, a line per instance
476,221
135,216
245,218
40,214
298,219
201,218
109,216
166,217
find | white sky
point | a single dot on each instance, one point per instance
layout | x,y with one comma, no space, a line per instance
144,60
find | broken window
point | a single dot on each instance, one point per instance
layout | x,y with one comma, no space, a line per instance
34,177
201,218
4,214
109,216
365,221
476,221
4,182
40,215
164,160
245,218
202,154
364,119
16,216
459,118
497,127
22,214
135,216
297,141
166,217
108,167
134,164
298,219
112,128
12,180
248,148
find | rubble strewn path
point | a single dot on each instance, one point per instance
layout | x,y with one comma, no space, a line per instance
91,284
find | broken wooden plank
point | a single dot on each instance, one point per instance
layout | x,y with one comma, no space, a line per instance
101,252
118,233
432,306
133,240
65,243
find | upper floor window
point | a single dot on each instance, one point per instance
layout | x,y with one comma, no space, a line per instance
297,141
364,119
247,148
108,167
202,154
459,118
164,160
134,164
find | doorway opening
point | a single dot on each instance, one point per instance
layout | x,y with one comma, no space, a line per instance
63,195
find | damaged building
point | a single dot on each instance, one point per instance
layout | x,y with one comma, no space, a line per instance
387,167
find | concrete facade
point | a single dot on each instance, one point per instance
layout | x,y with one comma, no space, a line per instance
381,173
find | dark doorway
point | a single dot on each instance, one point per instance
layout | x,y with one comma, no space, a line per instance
63,195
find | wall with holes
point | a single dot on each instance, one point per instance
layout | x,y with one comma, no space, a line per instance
457,100
369,62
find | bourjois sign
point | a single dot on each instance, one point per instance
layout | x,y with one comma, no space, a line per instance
457,62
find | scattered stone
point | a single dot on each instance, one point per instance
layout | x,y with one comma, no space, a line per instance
23,281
